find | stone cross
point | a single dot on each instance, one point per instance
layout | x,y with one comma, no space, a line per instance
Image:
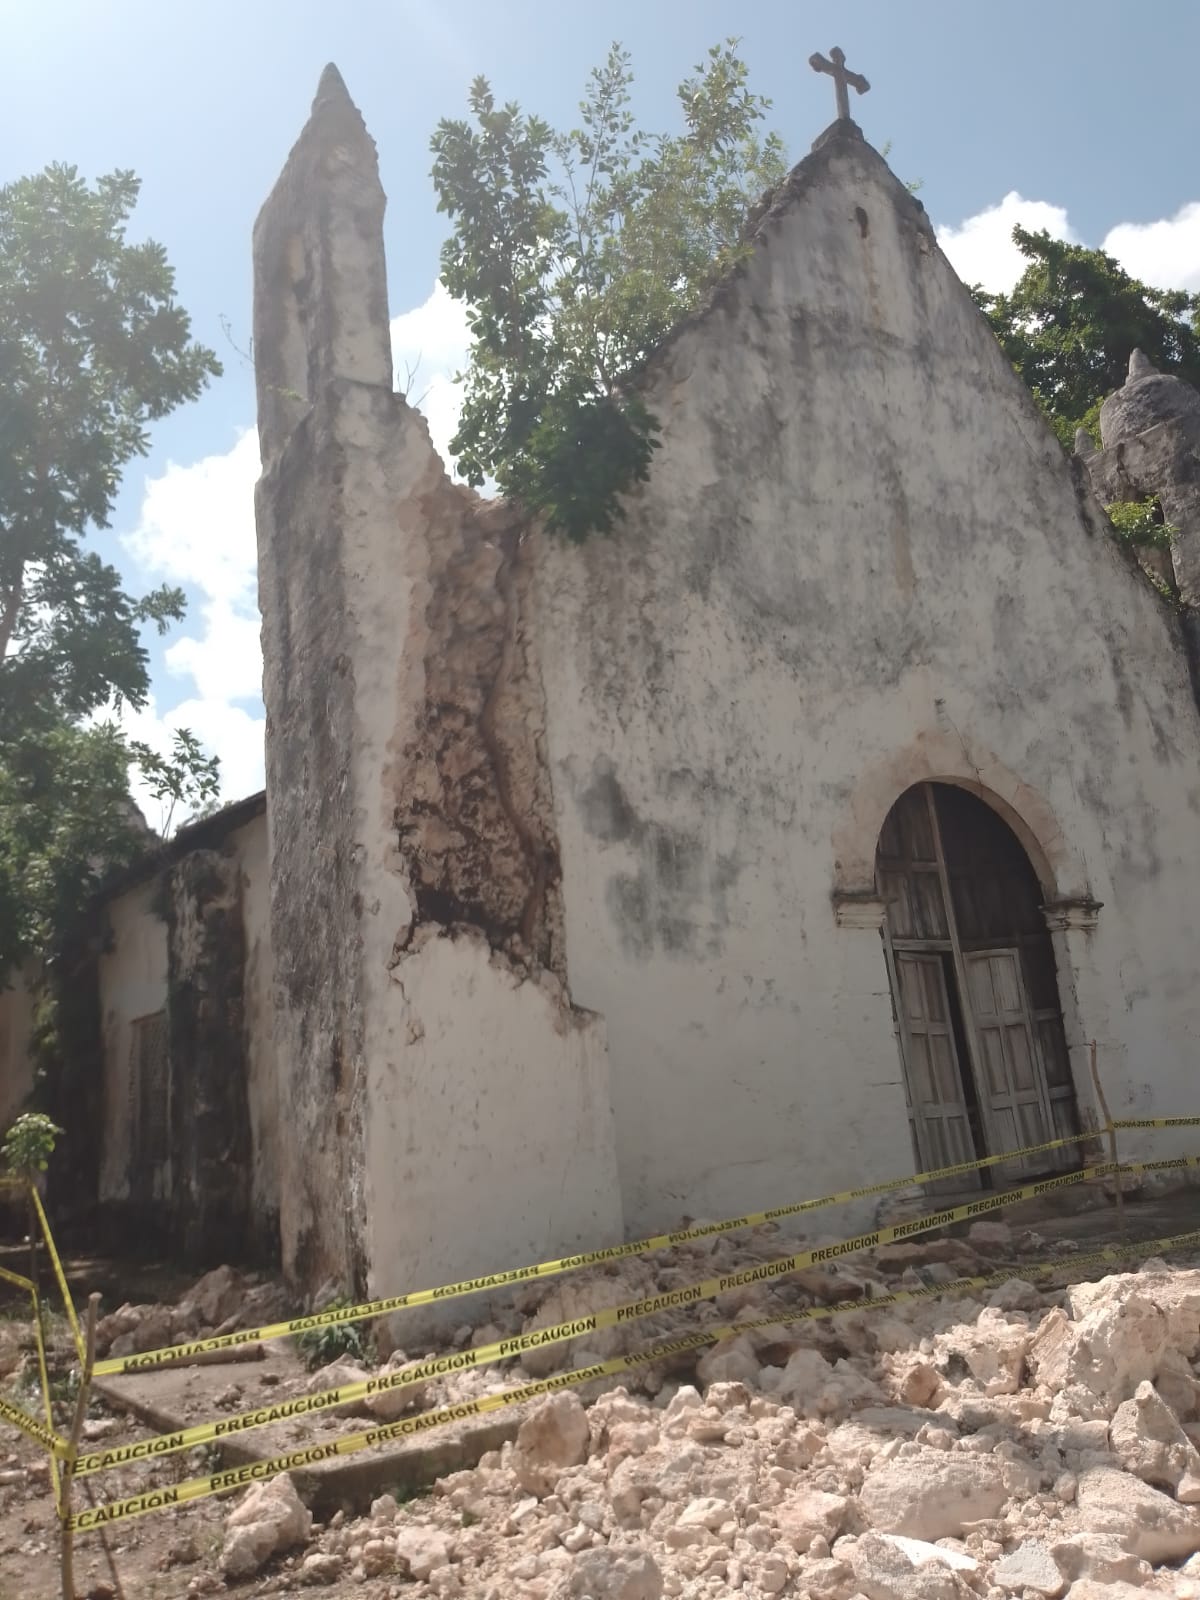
837,69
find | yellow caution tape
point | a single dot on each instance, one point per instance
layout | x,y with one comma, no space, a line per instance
35,1430
46,1406
549,1269
76,1332
15,1277
1157,1122
609,1317
350,1444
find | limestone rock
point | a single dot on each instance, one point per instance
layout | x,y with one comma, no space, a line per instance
921,1553
554,1437
1175,1293
1016,1294
322,1567
133,1329
1145,1521
378,1557
578,1297
624,1573
807,1514
885,1570
1115,1345
340,1374
992,1237
1030,1568
731,1361
1147,1440
814,1388
420,1550
919,1385
217,1295
1177,1384
932,1493
1099,1556
708,1512
1094,1589
392,1403
993,1347
270,1519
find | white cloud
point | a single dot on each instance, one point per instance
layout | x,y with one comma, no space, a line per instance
981,249
196,528
429,346
1165,253
197,524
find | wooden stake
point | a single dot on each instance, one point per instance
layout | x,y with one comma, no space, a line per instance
104,1545
68,1474
1112,1145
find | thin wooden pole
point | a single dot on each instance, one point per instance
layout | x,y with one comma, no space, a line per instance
1112,1144
104,1545
81,1405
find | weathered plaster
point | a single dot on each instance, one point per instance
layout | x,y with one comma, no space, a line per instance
210,1144
860,560
133,984
250,846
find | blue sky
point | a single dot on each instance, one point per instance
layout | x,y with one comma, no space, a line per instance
1087,114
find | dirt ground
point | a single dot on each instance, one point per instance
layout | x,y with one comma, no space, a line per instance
165,1555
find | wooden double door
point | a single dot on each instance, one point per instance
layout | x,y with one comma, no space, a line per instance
974,987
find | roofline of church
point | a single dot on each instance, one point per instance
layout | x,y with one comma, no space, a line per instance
767,210
202,834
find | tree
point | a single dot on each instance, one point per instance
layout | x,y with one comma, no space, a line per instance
575,254
93,348
1072,321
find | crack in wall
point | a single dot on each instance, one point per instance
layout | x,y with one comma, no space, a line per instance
474,812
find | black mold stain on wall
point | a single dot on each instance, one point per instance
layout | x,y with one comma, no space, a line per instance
210,1152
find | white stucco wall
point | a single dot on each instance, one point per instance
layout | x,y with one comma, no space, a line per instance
860,561
250,845
489,1134
133,984
16,1028
487,1121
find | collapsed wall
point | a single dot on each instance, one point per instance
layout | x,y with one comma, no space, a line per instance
446,1106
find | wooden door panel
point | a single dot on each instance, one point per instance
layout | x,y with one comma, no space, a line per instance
941,1121
1016,1105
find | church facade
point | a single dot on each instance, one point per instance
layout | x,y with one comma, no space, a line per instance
805,832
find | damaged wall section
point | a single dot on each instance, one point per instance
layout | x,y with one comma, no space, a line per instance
445,1101
474,811
209,1121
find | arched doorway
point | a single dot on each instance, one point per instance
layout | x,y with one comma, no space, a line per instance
974,986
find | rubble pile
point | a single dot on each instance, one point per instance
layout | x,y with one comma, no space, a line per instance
223,1301
1026,1443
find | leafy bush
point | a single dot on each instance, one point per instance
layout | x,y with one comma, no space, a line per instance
1140,523
28,1145
320,1346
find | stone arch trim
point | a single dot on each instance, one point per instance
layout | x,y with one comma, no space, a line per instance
937,758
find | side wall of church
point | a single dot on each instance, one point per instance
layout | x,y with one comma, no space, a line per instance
190,1123
861,560
133,986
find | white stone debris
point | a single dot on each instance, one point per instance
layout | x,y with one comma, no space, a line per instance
220,1302
270,1518
1029,1443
